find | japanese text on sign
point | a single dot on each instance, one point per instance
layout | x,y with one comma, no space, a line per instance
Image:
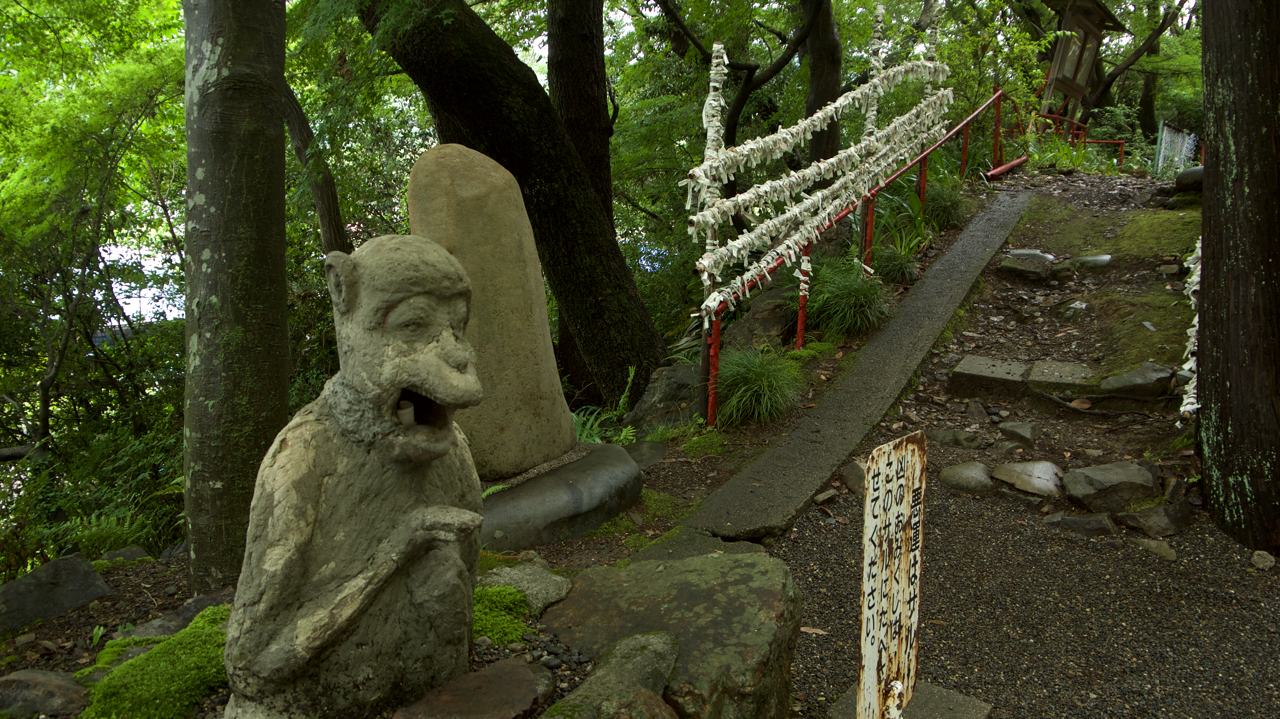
891,546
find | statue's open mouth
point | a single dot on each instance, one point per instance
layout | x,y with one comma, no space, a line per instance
414,409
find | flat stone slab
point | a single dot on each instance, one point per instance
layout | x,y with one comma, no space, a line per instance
766,496
736,618
503,690
53,589
541,586
684,542
928,701
1110,487
1055,376
1042,478
978,376
568,501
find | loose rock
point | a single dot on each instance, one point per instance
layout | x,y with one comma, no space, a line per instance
541,587
1263,560
969,477
1110,487
1158,547
53,589
509,688
1024,433
32,693
1041,478
628,681
1149,380
1161,520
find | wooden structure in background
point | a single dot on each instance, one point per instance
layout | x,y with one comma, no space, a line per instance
1074,56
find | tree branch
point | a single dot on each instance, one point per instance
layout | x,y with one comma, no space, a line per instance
324,191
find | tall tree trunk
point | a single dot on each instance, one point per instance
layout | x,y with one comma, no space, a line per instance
1239,351
1150,81
237,343
482,96
823,51
578,86
579,91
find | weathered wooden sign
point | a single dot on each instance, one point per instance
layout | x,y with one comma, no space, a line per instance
893,519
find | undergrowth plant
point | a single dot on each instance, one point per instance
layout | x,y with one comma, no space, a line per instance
757,386
597,425
894,265
846,301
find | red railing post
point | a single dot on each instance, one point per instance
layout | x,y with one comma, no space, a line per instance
804,297
964,151
713,373
868,228
997,155
922,182
1122,153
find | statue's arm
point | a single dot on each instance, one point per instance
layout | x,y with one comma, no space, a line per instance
422,529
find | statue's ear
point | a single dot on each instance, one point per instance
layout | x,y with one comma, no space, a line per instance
340,274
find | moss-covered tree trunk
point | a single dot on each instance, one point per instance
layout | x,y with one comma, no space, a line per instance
481,95
1239,356
237,344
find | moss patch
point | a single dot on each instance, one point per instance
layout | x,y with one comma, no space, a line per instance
489,561
1128,342
1057,226
499,612
703,445
104,565
113,651
171,679
655,507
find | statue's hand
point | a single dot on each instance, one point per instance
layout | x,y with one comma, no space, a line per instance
440,524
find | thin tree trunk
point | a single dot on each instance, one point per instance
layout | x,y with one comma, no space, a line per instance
1239,349
237,343
482,96
324,191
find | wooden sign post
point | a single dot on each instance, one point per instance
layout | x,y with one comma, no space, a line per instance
893,518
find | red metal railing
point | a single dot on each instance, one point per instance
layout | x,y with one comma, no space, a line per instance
869,218
1077,132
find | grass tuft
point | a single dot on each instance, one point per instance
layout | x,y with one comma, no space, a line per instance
757,386
894,265
499,612
845,300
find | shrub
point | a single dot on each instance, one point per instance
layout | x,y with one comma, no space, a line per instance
945,207
499,612
171,679
757,386
894,265
846,301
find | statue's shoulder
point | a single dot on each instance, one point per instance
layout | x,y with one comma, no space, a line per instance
305,442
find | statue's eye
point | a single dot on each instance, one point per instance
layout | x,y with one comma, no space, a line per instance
410,325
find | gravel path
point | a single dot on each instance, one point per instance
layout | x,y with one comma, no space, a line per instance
1041,622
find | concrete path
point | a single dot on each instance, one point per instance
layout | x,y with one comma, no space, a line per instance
766,496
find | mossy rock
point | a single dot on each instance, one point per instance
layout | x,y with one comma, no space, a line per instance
169,680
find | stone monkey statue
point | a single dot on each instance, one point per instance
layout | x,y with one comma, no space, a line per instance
355,593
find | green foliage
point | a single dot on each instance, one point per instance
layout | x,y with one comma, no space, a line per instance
756,386
654,508
169,680
112,653
894,266
846,301
107,565
499,612
704,445
668,432
594,425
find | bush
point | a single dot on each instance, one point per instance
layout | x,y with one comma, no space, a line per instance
757,386
499,612
894,265
845,301
945,207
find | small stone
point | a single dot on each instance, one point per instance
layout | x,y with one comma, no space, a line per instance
1091,262
130,553
1160,520
1090,525
954,438
1169,270
541,586
975,411
1111,487
37,693
825,496
1023,433
1041,478
483,642
1158,547
23,639
1149,380
515,647
969,477
1263,560
1093,453
852,475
